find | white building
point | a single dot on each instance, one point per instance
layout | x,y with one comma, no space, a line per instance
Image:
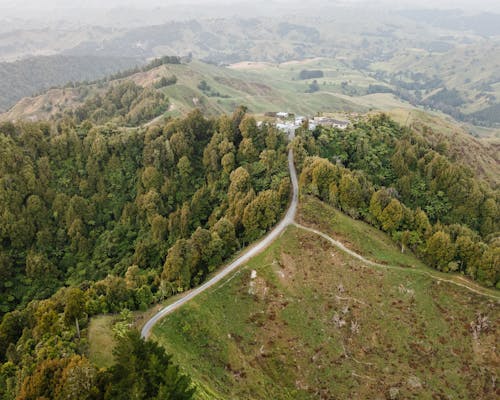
330,122
299,120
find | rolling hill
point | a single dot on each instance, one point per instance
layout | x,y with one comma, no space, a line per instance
33,75
264,87
268,90
305,320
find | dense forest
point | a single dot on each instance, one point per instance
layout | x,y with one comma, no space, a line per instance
96,219
124,103
393,178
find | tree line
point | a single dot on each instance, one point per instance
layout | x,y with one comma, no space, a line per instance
396,180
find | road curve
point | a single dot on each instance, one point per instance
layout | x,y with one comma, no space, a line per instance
288,219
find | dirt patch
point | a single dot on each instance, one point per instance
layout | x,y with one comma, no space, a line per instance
252,88
286,268
485,349
250,65
302,62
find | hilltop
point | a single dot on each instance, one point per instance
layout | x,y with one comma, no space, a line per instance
309,321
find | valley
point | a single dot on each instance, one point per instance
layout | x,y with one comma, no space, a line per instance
249,200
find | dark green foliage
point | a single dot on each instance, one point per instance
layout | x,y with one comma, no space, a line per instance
395,179
157,62
490,116
161,61
445,97
379,89
164,81
124,217
310,74
91,203
144,371
203,86
124,103
313,87
207,89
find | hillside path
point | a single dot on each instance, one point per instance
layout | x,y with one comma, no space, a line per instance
249,253
353,254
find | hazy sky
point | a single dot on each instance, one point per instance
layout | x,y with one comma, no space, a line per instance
96,12
479,5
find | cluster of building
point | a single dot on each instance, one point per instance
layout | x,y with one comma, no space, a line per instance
288,122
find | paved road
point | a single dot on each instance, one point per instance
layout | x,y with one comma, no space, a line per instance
250,253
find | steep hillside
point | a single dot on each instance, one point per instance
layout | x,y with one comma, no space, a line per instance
26,77
481,155
304,320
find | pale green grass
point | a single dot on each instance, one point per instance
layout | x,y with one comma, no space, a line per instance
274,336
101,340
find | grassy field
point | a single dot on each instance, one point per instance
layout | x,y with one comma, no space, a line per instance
101,340
356,235
304,320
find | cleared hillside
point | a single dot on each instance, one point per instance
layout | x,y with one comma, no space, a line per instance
226,89
304,320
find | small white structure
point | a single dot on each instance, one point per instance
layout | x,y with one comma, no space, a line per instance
340,124
312,126
299,120
330,122
282,114
288,127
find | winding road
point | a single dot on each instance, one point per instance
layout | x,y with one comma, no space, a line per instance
251,252
288,219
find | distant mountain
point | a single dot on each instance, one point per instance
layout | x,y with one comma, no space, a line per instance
217,40
485,24
27,77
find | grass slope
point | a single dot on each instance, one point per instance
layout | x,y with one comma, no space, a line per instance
101,340
311,322
270,89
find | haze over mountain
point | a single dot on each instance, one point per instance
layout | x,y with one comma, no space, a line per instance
136,13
